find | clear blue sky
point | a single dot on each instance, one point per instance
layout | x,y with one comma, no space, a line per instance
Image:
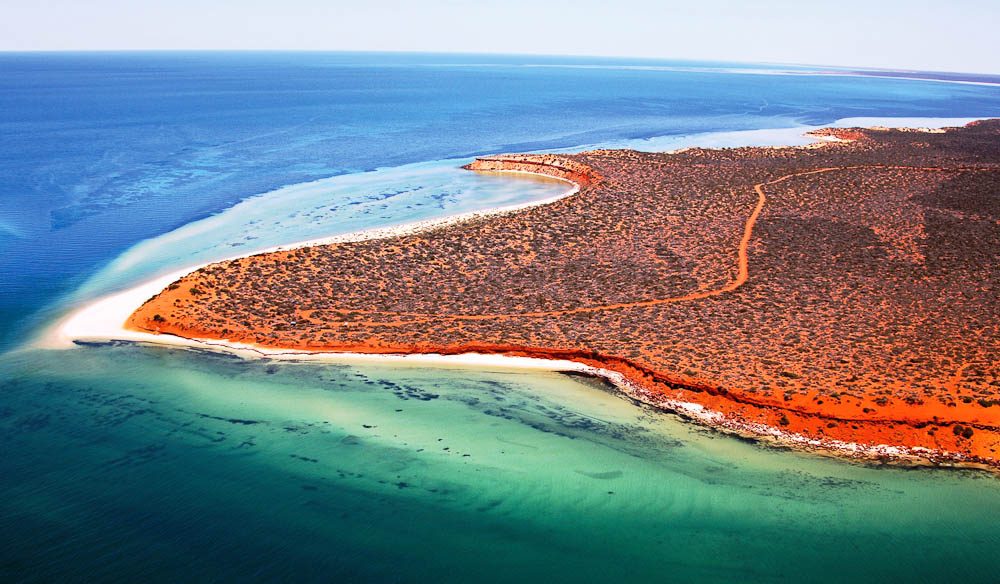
955,35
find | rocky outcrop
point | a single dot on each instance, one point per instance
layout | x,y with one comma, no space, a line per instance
547,164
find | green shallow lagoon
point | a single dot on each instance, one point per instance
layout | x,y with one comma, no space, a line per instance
164,465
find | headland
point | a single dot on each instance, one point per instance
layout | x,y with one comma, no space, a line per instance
841,297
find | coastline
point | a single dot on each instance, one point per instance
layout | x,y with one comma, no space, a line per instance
865,453
96,322
104,319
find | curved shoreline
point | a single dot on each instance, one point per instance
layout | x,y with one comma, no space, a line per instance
104,319
75,328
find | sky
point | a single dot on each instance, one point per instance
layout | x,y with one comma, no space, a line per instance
942,35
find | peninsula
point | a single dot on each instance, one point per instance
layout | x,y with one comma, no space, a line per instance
840,297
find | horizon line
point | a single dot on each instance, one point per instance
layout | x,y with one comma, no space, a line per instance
850,68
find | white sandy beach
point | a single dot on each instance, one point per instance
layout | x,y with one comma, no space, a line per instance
103,319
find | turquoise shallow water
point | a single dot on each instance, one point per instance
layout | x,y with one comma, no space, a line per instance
317,209
166,465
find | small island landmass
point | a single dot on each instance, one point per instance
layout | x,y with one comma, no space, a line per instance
842,297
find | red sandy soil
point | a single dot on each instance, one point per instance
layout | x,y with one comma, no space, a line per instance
848,292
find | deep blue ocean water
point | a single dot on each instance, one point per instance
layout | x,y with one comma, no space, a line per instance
138,463
102,150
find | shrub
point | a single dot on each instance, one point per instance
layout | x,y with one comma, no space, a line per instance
963,431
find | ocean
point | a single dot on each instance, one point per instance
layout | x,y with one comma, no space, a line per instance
123,462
